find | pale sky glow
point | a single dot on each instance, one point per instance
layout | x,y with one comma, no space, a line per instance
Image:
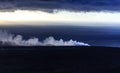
24,16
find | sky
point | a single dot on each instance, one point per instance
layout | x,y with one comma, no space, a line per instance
27,12
70,13
27,17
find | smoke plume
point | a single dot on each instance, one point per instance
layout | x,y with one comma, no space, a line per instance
17,40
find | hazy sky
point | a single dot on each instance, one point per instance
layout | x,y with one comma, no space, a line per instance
37,17
75,12
70,13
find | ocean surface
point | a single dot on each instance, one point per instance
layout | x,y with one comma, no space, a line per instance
95,36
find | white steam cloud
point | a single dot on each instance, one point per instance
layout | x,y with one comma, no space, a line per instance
17,40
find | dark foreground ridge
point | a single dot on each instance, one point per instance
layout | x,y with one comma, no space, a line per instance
59,59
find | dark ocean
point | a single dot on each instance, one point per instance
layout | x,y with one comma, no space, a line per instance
95,36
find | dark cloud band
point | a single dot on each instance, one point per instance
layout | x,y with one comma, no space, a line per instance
49,5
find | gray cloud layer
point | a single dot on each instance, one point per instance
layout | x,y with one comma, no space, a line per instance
12,40
50,5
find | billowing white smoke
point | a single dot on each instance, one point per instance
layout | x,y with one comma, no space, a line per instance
11,39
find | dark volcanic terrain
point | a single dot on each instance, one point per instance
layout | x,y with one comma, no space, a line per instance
59,60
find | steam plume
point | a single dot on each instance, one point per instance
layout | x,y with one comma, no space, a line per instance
17,40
